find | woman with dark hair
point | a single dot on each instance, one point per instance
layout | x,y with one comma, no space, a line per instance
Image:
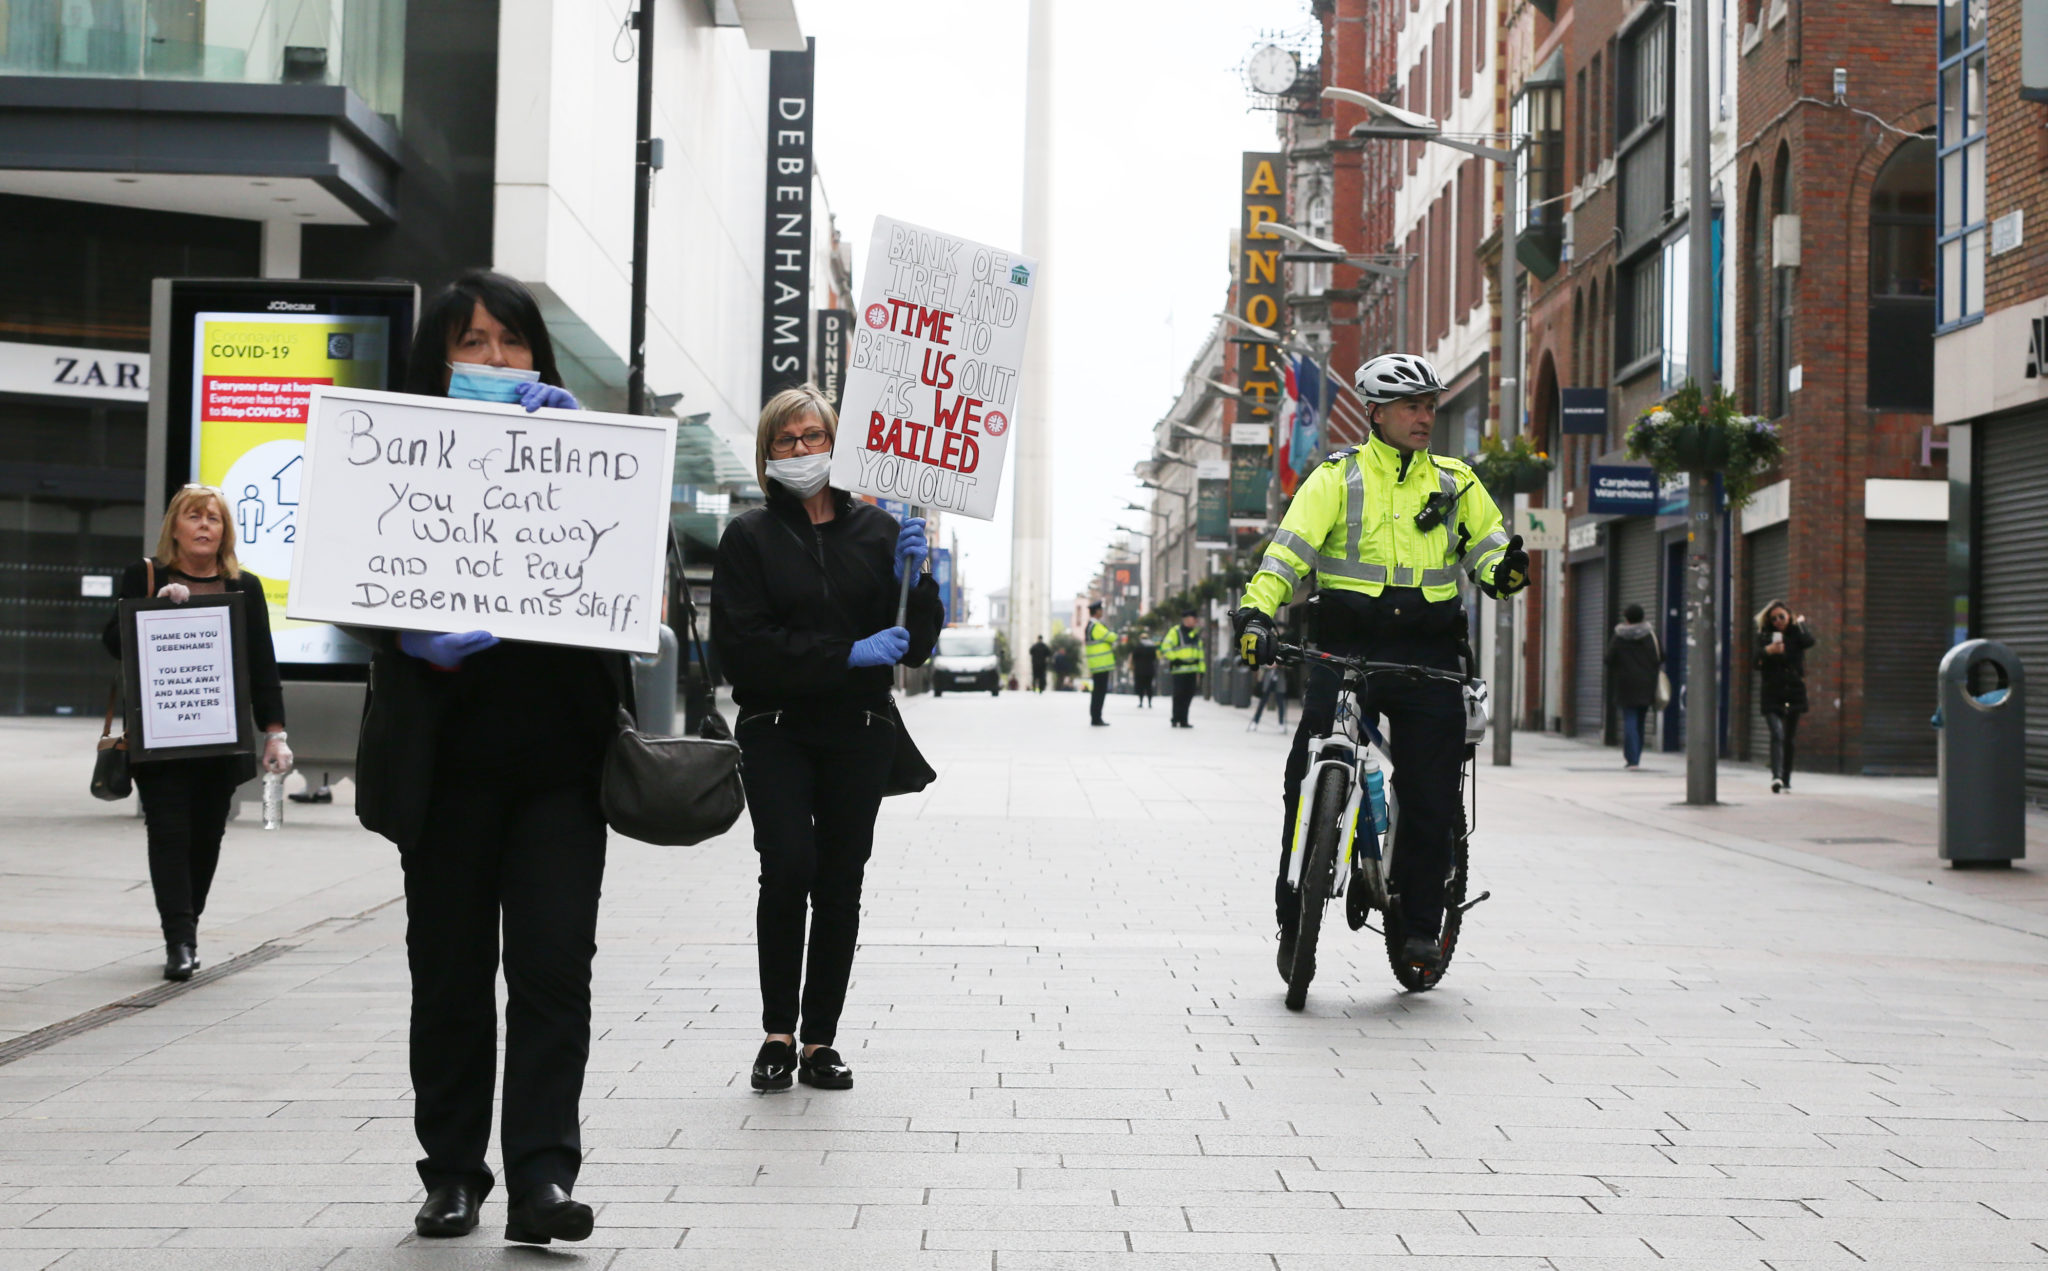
1781,644
1633,660
480,759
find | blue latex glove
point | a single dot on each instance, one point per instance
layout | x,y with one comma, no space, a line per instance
910,544
445,649
883,648
534,395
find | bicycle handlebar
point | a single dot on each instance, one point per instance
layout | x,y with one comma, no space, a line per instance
1365,669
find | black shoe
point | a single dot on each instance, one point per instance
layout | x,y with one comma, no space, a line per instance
547,1215
775,1066
824,1069
180,961
1426,952
1098,723
322,795
451,1210
1285,960
1776,785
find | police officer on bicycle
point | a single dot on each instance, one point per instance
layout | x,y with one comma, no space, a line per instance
1387,527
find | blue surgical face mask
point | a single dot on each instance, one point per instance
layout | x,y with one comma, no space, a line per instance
476,382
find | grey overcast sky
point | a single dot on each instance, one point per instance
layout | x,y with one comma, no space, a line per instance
921,116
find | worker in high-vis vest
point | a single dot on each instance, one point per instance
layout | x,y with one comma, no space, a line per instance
1185,660
1388,529
1098,645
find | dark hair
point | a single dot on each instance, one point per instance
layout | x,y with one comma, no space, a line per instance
447,315
1634,613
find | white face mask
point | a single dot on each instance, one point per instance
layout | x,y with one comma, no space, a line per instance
803,475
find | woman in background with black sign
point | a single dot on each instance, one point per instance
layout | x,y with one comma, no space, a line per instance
185,801
803,614
481,759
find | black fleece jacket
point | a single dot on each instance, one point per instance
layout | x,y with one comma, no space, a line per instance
789,599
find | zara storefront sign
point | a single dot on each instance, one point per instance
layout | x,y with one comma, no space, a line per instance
56,370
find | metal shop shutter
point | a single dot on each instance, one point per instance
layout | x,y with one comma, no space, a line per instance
1635,572
1589,649
2012,589
1906,624
1770,576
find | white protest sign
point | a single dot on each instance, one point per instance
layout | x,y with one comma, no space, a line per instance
433,514
931,386
186,664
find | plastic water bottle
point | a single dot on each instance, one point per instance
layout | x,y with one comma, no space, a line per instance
273,800
1376,791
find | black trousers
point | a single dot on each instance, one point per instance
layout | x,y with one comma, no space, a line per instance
814,784
529,861
1038,679
185,812
1098,689
1784,726
1425,732
1142,683
1184,687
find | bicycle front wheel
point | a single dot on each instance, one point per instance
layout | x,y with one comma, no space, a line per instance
1318,873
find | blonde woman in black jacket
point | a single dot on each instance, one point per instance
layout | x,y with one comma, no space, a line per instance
803,615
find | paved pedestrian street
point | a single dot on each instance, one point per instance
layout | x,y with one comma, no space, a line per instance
1740,1038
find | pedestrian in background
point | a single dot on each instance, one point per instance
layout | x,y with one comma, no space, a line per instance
481,760
1041,657
1144,664
1272,689
1099,648
185,801
1781,644
803,616
1633,660
1062,670
1186,659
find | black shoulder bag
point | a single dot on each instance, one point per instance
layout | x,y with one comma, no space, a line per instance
110,778
673,791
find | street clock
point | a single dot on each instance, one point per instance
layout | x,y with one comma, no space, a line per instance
1272,70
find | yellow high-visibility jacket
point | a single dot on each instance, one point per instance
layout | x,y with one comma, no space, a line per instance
1101,648
1353,523
1182,652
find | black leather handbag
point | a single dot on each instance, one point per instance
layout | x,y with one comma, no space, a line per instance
110,778
908,770
673,791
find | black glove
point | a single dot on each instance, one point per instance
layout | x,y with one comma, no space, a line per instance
1511,574
1255,636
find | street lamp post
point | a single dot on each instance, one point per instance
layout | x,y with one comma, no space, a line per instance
1323,251
1702,555
1393,123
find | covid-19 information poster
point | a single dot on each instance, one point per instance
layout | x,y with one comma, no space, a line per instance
251,377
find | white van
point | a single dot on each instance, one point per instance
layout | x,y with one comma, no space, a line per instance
965,659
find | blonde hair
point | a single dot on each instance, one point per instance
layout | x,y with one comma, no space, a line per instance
167,542
1763,616
789,404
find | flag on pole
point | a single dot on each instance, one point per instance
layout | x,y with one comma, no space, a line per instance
1305,445
1283,429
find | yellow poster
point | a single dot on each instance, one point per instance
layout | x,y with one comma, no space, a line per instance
252,375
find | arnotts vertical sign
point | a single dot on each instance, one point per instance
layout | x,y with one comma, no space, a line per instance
786,272
1259,296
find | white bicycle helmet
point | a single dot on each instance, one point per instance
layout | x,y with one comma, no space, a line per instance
1392,376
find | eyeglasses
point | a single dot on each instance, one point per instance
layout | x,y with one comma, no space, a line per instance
814,440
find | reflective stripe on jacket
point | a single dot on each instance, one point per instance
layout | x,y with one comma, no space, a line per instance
1183,652
1101,648
1353,523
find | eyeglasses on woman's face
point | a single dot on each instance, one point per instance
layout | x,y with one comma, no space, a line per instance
812,440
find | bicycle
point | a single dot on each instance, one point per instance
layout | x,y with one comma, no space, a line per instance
1340,849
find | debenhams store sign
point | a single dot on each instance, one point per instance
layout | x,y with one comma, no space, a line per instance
55,370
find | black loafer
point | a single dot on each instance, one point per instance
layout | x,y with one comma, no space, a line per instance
451,1210
824,1069
548,1215
1426,952
180,961
775,1066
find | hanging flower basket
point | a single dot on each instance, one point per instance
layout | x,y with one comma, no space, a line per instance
1687,435
1513,467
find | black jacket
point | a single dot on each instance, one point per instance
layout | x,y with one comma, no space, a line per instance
1633,659
1144,659
789,599
1784,674
266,690
407,713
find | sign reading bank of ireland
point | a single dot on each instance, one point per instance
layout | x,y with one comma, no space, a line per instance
932,382
431,514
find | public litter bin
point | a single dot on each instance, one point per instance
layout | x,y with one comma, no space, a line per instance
654,687
1983,752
